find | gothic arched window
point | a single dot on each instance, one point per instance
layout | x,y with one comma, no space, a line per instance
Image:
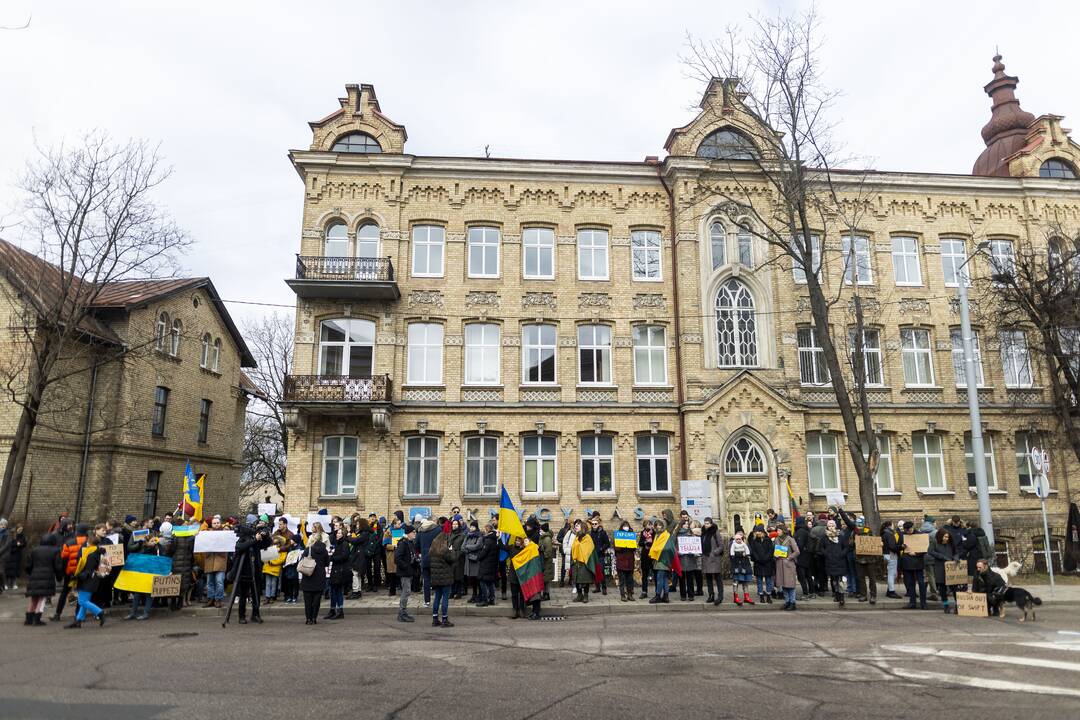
744,457
736,326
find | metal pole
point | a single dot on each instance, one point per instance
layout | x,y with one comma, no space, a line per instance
1048,550
977,451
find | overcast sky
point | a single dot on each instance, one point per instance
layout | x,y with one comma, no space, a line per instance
228,87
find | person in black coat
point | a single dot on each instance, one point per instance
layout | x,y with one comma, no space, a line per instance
341,570
183,563
489,566
804,560
835,549
602,543
913,565
314,585
359,539
44,570
247,567
761,552
16,553
404,555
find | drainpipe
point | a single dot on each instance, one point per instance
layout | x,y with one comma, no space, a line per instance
86,443
679,399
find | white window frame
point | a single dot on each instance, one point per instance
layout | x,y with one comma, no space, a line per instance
541,241
539,347
1016,359
921,454
425,238
956,339
884,461
483,238
422,460
341,458
424,361
798,272
1003,257
541,459
868,352
809,357
163,327
642,245
651,457
476,452
483,359
346,345
595,242
217,354
988,455
365,238
818,456
744,241
861,269
743,458
717,240
590,340
954,260
204,357
1023,459
915,352
175,335
650,354
336,240
596,458
906,248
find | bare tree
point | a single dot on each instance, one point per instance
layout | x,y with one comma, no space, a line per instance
90,213
266,437
788,183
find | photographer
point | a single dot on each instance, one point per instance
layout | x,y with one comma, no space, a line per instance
250,541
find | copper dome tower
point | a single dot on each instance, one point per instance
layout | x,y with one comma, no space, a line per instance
1008,126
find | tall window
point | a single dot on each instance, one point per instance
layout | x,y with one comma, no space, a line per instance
1015,359
346,347
367,241
356,142
538,452
427,250
482,347
744,241
483,252
1024,468
204,419
956,338
336,243
872,365
162,332
718,243
917,358
538,354
481,465
929,461
594,354
905,261
421,466
153,482
812,368
161,405
736,326
645,254
597,460
650,355
216,355
857,262
822,462
592,254
340,463
653,464
988,461
953,257
204,356
1002,258
174,337
425,354
883,479
797,269
539,246
744,457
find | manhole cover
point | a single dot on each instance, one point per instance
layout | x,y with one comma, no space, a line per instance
173,636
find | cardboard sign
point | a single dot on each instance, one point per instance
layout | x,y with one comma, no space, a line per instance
267,509
625,539
916,543
956,573
689,545
867,545
834,498
165,586
115,554
969,604
215,541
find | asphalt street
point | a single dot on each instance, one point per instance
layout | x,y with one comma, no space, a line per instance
810,664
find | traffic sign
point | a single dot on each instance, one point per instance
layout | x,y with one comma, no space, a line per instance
1038,458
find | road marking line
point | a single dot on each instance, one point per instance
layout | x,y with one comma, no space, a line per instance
1073,647
1005,685
1004,659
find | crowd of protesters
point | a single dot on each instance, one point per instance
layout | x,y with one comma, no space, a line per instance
459,558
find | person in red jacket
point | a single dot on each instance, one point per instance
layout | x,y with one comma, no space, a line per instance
69,556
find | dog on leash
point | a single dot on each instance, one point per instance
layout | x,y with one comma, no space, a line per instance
1024,601
1008,572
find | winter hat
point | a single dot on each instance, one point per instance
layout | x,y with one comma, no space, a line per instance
860,521
264,517
399,515
166,529
928,518
250,519
823,516
129,519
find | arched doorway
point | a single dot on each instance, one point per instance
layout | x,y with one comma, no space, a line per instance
746,478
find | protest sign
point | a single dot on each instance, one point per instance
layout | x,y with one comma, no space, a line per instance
114,538
956,573
780,551
689,545
396,535
625,539
165,586
867,545
293,557
971,604
835,498
215,541
115,553
323,520
269,554
916,543
137,534
267,509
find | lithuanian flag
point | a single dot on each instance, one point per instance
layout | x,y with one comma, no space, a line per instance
530,571
584,551
139,572
665,549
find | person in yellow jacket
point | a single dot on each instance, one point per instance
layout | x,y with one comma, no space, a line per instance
272,570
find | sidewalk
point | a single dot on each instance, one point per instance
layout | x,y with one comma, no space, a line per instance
13,605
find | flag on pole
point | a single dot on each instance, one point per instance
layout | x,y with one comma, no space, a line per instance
509,523
530,571
791,501
665,549
191,505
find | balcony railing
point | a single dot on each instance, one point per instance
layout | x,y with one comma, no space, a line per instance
317,267
337,389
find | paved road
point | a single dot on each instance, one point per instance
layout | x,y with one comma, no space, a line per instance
740,665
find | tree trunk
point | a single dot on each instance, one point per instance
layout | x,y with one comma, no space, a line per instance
16,461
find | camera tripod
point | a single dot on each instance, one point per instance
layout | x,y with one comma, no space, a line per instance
236,586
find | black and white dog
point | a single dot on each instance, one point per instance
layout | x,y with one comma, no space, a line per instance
1024,601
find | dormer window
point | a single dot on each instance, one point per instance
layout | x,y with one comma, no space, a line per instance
1057,168
727,144
357,142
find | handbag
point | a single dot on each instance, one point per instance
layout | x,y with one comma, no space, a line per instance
306,566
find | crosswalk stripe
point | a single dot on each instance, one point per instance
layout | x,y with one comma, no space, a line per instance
980,657
987,684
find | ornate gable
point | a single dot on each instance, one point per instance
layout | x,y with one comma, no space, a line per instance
359,112
721,107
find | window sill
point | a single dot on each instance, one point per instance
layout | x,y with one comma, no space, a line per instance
1032,493
826,493
167,356
934,492
597,495
423,386
540,386
937,388
208,371
468,497
596,386
1011,388
664,386
647,280
421,498
539,496
335,498
594,279
889,493
158,437
656,495
973,492
481,386
527,278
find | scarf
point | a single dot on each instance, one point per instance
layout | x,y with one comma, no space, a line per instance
832,535
707,536
738,546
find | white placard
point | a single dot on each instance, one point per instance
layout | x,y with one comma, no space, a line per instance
689,544
323,520
267,509
215,541
835,498
114,538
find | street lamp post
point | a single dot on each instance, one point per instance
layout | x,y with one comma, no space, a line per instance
982,489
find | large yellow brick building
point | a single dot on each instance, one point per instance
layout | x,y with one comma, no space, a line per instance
606,335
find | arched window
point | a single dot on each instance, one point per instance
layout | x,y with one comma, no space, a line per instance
744,458
217,354
718,242
346,347
727,144
736,326
367,240
337,241
357,142
205,357
162,332
174,337
1057,168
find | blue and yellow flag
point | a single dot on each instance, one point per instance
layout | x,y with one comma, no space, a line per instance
140,570
509,522
191,506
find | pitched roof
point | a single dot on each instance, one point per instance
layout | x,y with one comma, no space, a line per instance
129,294
248,385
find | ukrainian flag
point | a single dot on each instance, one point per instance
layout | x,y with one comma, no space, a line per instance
193,493
509,522
139,572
